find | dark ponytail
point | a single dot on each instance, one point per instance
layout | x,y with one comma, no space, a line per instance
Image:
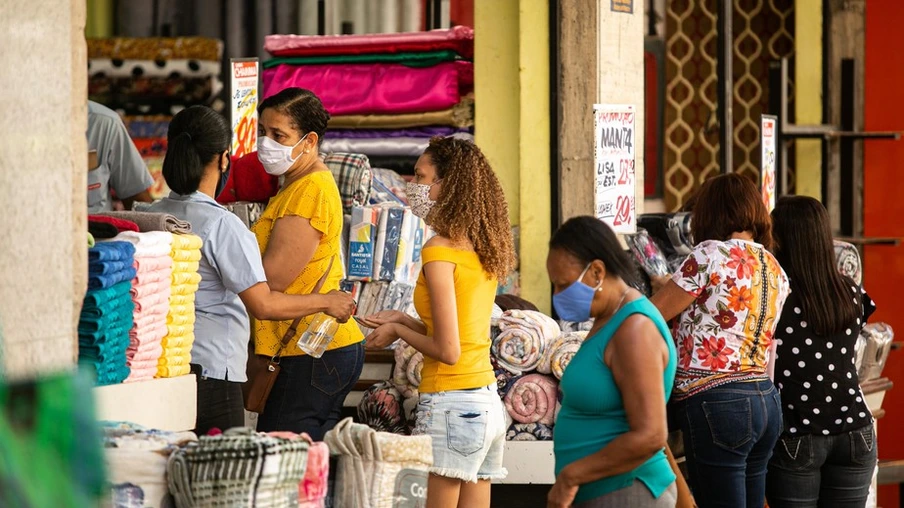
196,136
589,239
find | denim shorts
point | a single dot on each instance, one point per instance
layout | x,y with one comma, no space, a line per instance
468,432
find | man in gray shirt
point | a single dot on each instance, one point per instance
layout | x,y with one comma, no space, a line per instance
120,166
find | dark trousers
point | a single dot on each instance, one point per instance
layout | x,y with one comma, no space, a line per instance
822,471
309,392
729,434
220,404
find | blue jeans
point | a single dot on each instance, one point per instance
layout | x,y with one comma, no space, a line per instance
822,471
309,392
729,434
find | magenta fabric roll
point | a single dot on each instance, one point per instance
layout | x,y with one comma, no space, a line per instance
363,89
459,39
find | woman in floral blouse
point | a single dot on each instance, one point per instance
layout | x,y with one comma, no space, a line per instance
728,296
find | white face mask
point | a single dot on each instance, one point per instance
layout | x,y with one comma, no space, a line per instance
275,157
419,198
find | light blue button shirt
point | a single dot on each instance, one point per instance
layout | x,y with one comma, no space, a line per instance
230,264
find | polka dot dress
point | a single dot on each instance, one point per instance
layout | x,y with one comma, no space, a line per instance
817,375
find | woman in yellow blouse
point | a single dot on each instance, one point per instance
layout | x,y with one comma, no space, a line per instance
299,235
459,196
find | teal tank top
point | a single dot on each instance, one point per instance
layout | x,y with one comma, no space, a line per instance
592,413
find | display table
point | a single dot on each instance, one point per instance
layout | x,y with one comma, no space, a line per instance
165,404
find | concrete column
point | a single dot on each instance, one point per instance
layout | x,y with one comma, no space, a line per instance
808,99
608,71
43,165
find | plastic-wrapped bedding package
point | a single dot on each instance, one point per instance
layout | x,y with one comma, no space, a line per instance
875,348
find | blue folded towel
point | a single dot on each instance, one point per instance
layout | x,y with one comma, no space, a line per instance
107,267
112,251
103,281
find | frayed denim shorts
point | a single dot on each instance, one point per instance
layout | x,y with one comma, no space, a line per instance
468,432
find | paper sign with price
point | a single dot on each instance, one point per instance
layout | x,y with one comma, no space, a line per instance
243,111
767,165
614,157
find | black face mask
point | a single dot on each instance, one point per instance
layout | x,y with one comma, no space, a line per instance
224,177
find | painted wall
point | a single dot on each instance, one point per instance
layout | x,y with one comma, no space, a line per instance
884,208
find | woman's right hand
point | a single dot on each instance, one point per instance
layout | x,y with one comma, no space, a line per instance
385,317
340,305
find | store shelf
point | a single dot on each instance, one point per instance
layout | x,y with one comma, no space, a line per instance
529,462
166,404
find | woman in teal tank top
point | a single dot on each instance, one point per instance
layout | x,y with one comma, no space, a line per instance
611,432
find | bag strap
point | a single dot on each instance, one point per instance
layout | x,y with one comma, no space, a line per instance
293,328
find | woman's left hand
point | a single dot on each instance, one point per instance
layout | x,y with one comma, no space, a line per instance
562,494
382,336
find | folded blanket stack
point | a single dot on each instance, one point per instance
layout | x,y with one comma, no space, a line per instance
136,463
238,468
399,89
150,294
180,318
106,317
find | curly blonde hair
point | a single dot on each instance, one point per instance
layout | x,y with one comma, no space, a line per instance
472,205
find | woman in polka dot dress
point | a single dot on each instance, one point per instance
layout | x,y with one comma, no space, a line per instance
728,295
826,455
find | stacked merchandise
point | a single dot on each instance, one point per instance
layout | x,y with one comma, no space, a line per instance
387,93
137,460
149,80
238,468
529,355
106,318
180,320
384,252
150,294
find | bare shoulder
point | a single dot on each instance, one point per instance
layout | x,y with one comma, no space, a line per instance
439,241
637,331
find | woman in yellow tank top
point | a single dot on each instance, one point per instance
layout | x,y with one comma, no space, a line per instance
459,196
299,235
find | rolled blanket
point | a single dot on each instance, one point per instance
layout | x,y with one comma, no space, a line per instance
391,147
381,409
847,259
529,432
406,374
148,221
504,378
559,353
532,399
523,337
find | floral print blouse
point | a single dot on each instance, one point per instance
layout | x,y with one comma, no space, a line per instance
724,336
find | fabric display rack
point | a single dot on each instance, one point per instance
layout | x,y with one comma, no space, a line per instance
147,80
137,322
388,94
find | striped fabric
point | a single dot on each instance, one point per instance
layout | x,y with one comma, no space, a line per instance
238,468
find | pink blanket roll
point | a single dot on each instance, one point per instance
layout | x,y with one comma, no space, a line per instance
459,39
360,89
532,399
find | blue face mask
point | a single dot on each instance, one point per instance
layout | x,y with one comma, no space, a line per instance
573,304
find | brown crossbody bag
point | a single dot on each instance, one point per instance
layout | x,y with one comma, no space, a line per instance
262,371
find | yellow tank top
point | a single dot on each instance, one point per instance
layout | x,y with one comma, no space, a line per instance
316,198
474,295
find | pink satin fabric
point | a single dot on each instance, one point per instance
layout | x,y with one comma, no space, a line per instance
360,89
459,39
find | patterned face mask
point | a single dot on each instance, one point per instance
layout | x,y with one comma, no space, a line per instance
419,198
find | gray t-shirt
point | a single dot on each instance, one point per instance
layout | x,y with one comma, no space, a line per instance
120,165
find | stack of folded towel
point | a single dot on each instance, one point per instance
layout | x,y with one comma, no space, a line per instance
106,317
180,320
150,294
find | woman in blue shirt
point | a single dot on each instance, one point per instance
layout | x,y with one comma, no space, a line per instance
611,432
233,283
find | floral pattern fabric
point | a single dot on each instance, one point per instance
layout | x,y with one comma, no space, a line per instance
725,334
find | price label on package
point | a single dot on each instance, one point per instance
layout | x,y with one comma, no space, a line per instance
614,158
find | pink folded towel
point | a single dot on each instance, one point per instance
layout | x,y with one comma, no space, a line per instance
145,356
152,300
153,263
144,288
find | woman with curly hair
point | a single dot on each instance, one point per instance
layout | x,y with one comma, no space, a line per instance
459,196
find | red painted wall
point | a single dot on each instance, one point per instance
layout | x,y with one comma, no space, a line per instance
884,206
